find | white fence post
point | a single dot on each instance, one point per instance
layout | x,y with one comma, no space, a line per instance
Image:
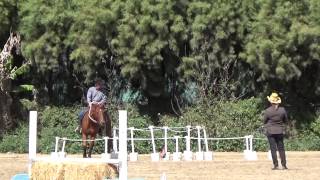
177,143
249,154
33,115
187,154
132,141
188,141
63,154
55,154
199,154
152,139
246,151
199,140
106,155
133,156
114,142
123,154
167,154
207,153
176,155
154,155
165,139
251,141
205,139
57,144
63,144
247,143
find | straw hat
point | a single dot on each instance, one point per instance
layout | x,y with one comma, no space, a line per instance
274,98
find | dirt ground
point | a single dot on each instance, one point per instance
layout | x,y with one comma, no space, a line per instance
225,166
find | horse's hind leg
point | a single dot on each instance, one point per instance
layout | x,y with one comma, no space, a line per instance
91,145
84,152
84,145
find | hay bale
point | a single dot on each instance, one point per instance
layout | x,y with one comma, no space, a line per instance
42,170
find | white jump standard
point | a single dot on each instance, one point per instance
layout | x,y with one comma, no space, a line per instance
60,157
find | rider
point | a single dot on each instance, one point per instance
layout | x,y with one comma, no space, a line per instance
96,95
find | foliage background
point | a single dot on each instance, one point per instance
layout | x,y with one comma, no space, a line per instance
231,119
170,62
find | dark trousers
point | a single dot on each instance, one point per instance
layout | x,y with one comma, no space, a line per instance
276,143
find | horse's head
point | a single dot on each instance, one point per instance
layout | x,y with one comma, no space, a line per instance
97,113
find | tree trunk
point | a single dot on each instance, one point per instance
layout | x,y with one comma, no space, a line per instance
11,47
5,113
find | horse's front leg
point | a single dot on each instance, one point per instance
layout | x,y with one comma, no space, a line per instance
92,138
84,145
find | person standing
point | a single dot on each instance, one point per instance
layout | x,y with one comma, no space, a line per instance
275,118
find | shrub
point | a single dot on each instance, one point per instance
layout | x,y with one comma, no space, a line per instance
221,119
16,141
308,138
57,121
139,122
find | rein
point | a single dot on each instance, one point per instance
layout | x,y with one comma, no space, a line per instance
91,117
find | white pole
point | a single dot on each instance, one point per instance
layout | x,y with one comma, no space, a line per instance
187,143
188,139
106,145
123,154
114,142
177,143
251,146
63,144
199,140
165,139
132,143
247,142
152,139
32,138
205,139
56,146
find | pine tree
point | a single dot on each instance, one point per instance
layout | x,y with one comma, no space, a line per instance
45,28
283,48
151,40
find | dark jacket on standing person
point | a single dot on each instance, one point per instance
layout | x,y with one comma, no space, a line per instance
275,119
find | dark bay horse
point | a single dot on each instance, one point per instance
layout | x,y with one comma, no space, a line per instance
93,120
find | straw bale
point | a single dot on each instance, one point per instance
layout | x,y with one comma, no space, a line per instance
72,171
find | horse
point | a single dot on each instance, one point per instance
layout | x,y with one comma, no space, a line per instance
93,120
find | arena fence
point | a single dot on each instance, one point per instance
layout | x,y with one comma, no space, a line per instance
200,139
